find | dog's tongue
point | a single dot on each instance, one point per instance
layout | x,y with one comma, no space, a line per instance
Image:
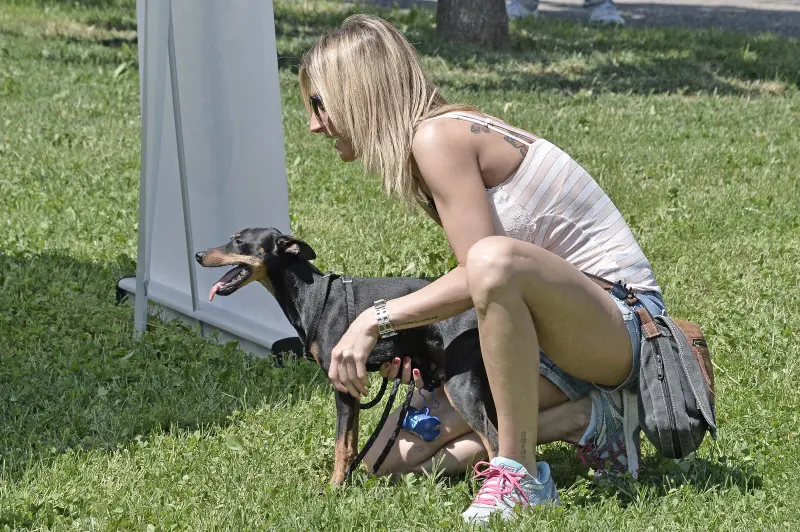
214,290
225,279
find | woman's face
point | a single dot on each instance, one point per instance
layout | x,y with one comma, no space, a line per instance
320,122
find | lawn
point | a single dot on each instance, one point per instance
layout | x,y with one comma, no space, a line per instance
694,135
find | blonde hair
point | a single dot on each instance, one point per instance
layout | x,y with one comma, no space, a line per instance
376,94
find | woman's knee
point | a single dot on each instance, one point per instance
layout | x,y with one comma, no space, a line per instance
490,269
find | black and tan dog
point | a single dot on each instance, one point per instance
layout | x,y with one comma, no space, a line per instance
321,307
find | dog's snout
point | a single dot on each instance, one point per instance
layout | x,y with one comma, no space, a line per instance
199,256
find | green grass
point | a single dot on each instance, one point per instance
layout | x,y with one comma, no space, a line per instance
693,134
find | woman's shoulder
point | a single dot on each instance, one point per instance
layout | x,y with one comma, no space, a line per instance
440,135
465,121
454,114
452,121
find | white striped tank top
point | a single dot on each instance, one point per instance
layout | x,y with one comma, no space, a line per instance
552,202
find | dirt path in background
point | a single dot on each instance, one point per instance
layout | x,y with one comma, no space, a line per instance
752,16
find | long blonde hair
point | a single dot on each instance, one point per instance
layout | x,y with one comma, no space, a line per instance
376,94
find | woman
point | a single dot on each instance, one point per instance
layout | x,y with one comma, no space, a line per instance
523,219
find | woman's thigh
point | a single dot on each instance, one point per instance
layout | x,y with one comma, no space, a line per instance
577,324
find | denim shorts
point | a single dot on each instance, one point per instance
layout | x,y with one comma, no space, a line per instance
575,388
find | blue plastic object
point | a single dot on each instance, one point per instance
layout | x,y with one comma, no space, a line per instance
422,423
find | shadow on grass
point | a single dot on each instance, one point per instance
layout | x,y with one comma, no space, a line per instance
73,377
751,19
628,60
652,14
658,477
548,53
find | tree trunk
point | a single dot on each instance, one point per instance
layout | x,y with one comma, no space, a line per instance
481,22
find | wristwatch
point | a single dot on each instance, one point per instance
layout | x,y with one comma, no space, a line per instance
385,329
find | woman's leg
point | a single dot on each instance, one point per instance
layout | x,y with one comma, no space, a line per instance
456,445
565,422
410,450
527,298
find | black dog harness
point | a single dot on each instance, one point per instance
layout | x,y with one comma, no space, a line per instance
320,300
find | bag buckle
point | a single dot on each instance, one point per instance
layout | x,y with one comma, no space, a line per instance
620,291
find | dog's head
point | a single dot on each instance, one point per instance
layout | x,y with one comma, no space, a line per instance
253,253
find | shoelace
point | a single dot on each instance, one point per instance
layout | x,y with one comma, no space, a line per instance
498,482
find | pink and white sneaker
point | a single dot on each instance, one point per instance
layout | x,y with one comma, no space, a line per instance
507,484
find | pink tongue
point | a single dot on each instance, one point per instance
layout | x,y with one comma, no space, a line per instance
214,290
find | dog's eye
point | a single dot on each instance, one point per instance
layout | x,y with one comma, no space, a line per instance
238,242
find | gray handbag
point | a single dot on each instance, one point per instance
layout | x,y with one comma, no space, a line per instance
676,379
676,386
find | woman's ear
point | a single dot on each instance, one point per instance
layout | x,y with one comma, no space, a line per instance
289,245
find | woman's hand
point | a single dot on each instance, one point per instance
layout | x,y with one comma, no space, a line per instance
390,372
348,371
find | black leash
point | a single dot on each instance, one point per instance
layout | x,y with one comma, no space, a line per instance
397,427
389,444
367,446
321,295
373,402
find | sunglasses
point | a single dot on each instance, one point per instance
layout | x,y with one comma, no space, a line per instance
317,106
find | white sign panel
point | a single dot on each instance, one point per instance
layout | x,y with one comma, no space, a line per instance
213,159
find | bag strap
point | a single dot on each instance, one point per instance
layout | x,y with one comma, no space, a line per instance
627,295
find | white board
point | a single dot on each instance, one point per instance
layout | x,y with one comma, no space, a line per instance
226,92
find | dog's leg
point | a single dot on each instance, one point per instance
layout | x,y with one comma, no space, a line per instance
467,388
464,393
346,435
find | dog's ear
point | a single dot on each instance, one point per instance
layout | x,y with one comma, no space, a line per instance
289,245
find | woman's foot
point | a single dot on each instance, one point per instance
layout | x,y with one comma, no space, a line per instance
611,443
507,484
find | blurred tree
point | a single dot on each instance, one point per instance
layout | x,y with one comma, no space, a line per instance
482,22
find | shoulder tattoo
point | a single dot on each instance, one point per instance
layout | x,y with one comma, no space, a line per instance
523,148
479,128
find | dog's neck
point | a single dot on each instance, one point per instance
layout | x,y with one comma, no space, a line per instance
294,287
